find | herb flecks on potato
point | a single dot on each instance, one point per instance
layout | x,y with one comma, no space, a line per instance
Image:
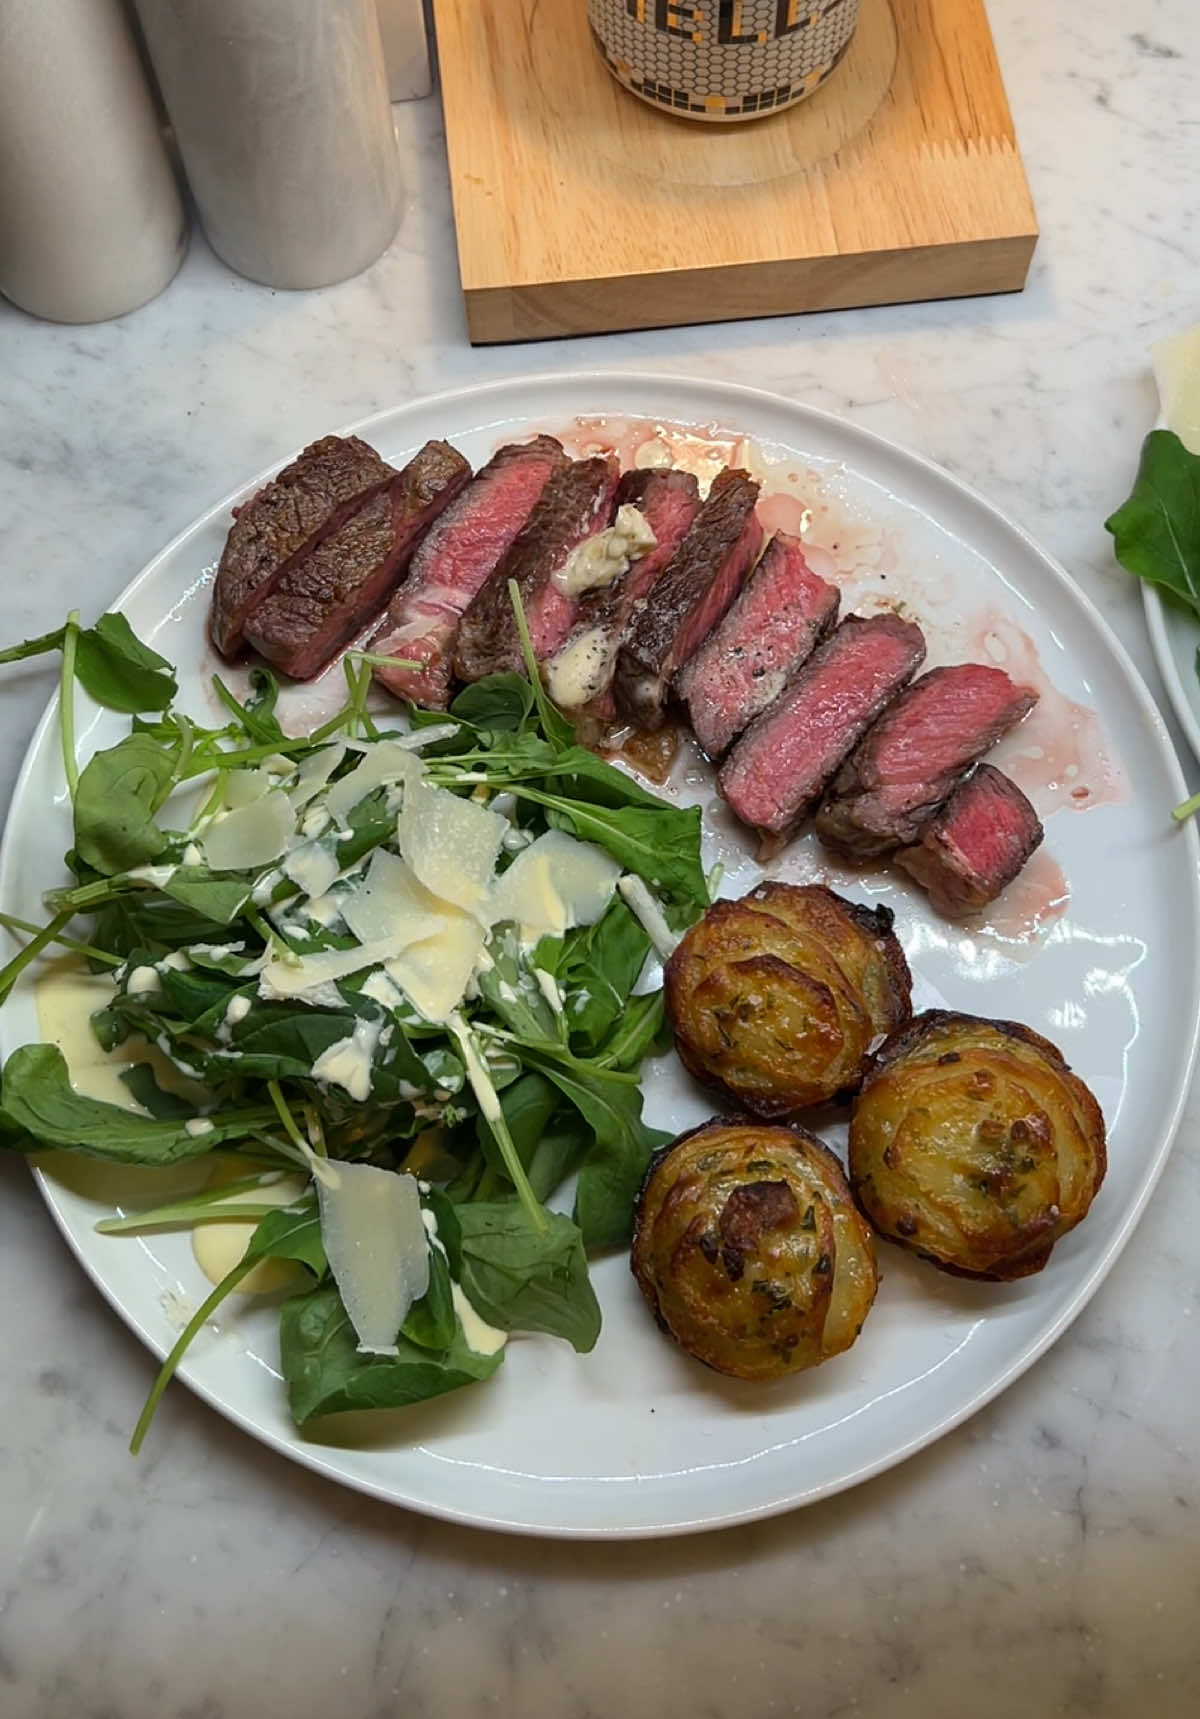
974,1144
749,1248
777,998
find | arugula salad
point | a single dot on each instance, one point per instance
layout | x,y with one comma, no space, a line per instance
404,979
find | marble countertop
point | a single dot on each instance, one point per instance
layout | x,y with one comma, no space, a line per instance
1045,1557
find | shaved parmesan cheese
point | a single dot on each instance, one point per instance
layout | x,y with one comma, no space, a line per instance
313,867
647,911
553,884
388,761
303,976
1177,368
313,772
252,835
451,844
434,973
347,1062
244,786
376,1246
392,902
419,737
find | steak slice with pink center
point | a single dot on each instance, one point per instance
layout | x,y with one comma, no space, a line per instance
308,501
976,845
670,501
575,504
690,598
789,754
330,593
454,561
916,754
784,611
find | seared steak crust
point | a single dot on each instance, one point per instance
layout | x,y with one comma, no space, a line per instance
690,598
308,501
458,555
330,593
576,503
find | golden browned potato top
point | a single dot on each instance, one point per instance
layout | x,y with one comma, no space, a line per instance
777,998
973,1143
750,1250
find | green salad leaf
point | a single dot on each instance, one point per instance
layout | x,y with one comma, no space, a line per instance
1156,531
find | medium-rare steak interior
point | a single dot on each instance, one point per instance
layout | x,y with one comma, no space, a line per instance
453,562
576,503
976,845
912,759
308,501
580,674
788,755
330,593
690,597
781,613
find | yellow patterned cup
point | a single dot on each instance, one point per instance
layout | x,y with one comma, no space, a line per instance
722,59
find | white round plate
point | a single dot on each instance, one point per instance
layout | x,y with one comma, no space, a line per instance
635,1439
1175,640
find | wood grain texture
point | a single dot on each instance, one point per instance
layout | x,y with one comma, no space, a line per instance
580,209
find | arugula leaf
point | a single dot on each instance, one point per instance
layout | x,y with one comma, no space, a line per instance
1157,531
218,899
119,671
432,1321
257,716
519,1280
599,968
38,1100
119,792
291,1232
500,703
325,1374
527,1105
282,1234
139,1081
613,1170
111,662
662,845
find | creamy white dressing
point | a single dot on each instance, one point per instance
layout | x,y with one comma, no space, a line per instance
480,1337
67,996
347,1062
217,1247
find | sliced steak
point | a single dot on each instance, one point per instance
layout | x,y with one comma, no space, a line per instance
575,504
309,500
329,594
789,754
580,674
910,762
453,562
690,598
976,844
783,611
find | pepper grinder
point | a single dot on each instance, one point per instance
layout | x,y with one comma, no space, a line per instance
281,113
91,222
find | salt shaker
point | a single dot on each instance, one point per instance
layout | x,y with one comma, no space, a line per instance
281,113
91,222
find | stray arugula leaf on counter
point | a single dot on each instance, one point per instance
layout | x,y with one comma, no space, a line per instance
269,943
1157,531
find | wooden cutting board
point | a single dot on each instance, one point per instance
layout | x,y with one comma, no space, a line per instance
581,210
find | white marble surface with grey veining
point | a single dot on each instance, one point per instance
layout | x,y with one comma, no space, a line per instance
1045,1558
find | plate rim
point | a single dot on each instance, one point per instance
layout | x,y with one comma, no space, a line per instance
715,389
1187,713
